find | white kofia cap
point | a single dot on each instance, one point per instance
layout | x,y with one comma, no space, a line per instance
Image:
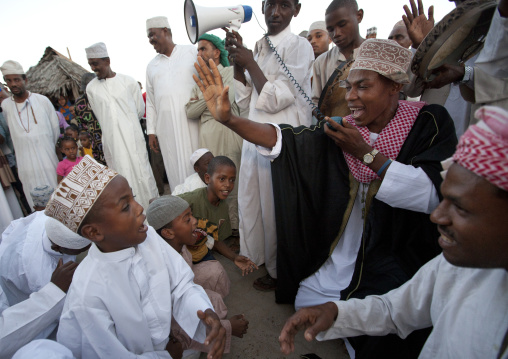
318,25
197,155
11,67
158,22
97,51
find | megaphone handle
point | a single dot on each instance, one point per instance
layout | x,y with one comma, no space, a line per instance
315,109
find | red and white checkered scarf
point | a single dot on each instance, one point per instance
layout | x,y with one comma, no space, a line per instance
389,141
483,149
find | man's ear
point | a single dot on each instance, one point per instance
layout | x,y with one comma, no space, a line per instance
92,232
297,9
359,15
207,178
262,7
217,54
396,87
168,233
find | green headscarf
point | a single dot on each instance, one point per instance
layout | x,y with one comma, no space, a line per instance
219,44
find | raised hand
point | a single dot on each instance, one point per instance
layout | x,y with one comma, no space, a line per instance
417,24
313,319
245,264
62,275
217,334
214,93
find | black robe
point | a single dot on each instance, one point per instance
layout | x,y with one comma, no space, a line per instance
311,186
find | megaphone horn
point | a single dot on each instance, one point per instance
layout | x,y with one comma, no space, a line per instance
200,19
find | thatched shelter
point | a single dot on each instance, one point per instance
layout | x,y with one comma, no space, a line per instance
55,75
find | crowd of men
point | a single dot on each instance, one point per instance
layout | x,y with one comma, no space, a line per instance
375,200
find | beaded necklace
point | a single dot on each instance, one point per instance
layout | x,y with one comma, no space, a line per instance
27,130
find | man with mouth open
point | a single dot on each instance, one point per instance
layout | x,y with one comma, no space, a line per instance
352,201
462,293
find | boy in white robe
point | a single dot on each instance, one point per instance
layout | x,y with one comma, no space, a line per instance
31,250
117,103
263,87
199,161
462,292
131,282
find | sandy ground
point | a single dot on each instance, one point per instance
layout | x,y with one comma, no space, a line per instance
266,319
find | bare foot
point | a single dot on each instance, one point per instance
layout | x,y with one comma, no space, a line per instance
239,325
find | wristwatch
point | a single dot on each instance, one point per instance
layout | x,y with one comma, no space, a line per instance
468,72
369,157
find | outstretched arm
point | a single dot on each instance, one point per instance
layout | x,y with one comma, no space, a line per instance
217,100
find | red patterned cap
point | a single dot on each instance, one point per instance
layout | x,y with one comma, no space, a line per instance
483,149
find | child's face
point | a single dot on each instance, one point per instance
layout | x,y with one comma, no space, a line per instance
85,141
69,132
342,25
278,14
222,182
69,149
62,101
72,111
183,228
202,165
121,219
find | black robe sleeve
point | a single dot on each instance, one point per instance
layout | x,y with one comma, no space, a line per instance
311,190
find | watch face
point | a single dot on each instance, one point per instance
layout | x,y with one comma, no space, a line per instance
368,158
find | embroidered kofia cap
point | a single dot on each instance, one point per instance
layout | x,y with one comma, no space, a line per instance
97,51
77,193
386,57
11,67
158,22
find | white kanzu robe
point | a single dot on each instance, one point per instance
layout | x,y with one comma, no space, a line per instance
120,304
168,87
27,261
278,102
466,307
118,104
35,150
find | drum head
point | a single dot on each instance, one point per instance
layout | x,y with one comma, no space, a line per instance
456,38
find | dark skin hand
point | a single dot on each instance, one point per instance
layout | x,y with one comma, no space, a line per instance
349,139
244,59
62,276
446,74
153,143
174,348
216,335
245,264
417,24
217,101
313,319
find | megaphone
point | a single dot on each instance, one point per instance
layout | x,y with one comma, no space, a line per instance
200,19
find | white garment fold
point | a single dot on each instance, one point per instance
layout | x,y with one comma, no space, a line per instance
168,87
118,105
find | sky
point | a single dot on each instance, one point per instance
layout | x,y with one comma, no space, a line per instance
32,25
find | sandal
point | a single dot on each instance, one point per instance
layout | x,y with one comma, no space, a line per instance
265,283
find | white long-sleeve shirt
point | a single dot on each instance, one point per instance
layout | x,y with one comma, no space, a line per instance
120,304
21,323
466,306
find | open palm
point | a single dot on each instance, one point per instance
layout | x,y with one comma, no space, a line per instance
214,93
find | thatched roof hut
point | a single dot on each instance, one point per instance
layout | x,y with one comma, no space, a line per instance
55,75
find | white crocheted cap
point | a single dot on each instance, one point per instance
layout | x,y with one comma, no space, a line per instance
97,51
318,25
63,236
158,22
11,67
197,155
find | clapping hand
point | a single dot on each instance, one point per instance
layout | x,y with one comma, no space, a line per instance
417,24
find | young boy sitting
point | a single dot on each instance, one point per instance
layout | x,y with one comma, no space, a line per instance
131,283
208,206
172,219
199,161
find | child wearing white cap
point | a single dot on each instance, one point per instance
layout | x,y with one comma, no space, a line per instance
199,161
